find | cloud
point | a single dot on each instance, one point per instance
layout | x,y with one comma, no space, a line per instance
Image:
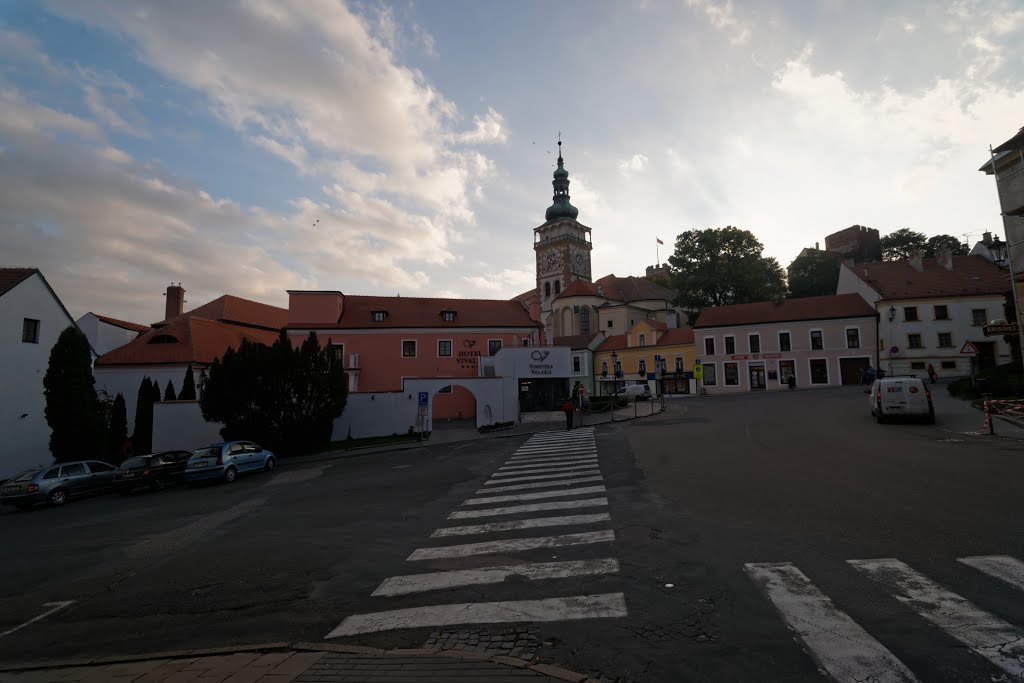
22,48
503,280
488,128
722,16
635,164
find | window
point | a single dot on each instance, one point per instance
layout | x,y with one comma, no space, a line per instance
643,340
408,348
609,324
784,344
577,364
978,316
910,313
558,287
949,365
852,338
679,363
445,390
641,366
378,316
52,474
30,331
584,320
942,313
730,344
448,316
732,372
709,375
493,346
945,340
917,365
755,343
338,353
709,346
96,466
72,470
787,369
914,341
819,371
547,289
817,343
604,367
444,347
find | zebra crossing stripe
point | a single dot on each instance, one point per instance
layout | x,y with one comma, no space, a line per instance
541,484
1002,567
419,583
554,448
536,495
515,611
532,507
511,545
844,649
554,455
543,470
994,639
583,433
548,463
549,475
562,459
515,524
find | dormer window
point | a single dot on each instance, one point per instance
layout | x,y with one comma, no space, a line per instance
448,316
379,316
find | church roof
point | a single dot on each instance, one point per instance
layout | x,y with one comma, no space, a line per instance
578,288
633,288
561,208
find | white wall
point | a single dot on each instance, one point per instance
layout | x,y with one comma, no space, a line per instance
849,283
179,425
103,336
24,434
126,380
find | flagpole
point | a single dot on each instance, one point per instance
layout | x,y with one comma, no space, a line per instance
657,254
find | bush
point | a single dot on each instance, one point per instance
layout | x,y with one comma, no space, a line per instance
1003,381
73,410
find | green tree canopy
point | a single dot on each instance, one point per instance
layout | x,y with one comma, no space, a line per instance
169,394
72,408
188,386
816,273
142,436
722,266
117,430
284,398
935,243
899,244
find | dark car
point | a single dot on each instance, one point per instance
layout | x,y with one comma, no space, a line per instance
58,483
154,471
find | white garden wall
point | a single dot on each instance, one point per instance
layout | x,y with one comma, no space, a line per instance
179,425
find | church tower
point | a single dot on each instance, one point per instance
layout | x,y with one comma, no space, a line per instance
562,245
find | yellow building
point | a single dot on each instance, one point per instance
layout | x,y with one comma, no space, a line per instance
649,352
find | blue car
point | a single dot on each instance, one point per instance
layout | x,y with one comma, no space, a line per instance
225,461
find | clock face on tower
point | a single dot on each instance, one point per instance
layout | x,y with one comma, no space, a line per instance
549,261
581,262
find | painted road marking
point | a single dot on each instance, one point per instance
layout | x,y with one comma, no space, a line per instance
516,611
552,458
844,649
512,525
54,607
532,507
540,484
1002,567
560,455
541,451
581,433
549,475
544,470
419,583
994,639
536,495
511,545
564,463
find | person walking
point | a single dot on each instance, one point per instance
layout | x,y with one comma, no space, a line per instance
568,408
932,375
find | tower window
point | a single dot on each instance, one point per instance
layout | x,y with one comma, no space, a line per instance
558,287
547,289
584,320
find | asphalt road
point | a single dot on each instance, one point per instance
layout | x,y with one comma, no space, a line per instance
694,497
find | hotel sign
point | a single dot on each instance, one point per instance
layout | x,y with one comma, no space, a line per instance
756,356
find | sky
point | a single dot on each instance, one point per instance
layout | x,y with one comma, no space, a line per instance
255,146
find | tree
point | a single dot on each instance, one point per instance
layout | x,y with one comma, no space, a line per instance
117,430
169,395
722,266
154,392
283,398
72,408
900,244
816,273
188,386
935,243
142,437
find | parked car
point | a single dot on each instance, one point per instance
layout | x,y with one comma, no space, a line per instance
154,471
225,461
893,397
639,392
58,483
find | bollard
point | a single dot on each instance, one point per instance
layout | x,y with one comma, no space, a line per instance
988,418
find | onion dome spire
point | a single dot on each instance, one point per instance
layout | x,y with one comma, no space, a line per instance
561,208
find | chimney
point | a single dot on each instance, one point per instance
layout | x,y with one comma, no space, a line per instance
915,261
986,238
817,246
944,257
175,301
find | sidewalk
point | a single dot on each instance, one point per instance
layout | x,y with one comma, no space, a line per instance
294,662
959,416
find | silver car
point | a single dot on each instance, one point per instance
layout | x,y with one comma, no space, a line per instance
58,483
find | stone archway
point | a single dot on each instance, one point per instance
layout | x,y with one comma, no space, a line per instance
453,403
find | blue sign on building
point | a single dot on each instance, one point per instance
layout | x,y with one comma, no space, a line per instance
424,398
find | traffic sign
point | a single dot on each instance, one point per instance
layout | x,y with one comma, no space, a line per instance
582,389
424,398
969,349
698,371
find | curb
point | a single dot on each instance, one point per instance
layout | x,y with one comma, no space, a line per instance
504,660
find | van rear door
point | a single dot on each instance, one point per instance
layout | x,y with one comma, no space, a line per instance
894,398
916,397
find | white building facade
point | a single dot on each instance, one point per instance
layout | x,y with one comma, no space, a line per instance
106,334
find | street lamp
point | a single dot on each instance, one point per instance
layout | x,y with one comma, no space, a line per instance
892,313
998,251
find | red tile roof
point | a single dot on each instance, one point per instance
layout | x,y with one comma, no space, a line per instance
123,324
809,308
675,336
579,288
233,309
633,289
195,340
575,341
12,277
403,311
899,280
616,342
656,324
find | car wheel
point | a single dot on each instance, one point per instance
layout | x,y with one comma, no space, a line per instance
271,464
157,484
230,474
57,497
24,506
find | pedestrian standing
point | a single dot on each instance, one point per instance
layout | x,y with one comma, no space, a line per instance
932,375
568,408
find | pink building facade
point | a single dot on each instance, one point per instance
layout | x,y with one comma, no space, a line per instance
821,342
386,340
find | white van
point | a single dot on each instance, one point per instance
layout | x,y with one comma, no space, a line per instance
901,397
639,392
